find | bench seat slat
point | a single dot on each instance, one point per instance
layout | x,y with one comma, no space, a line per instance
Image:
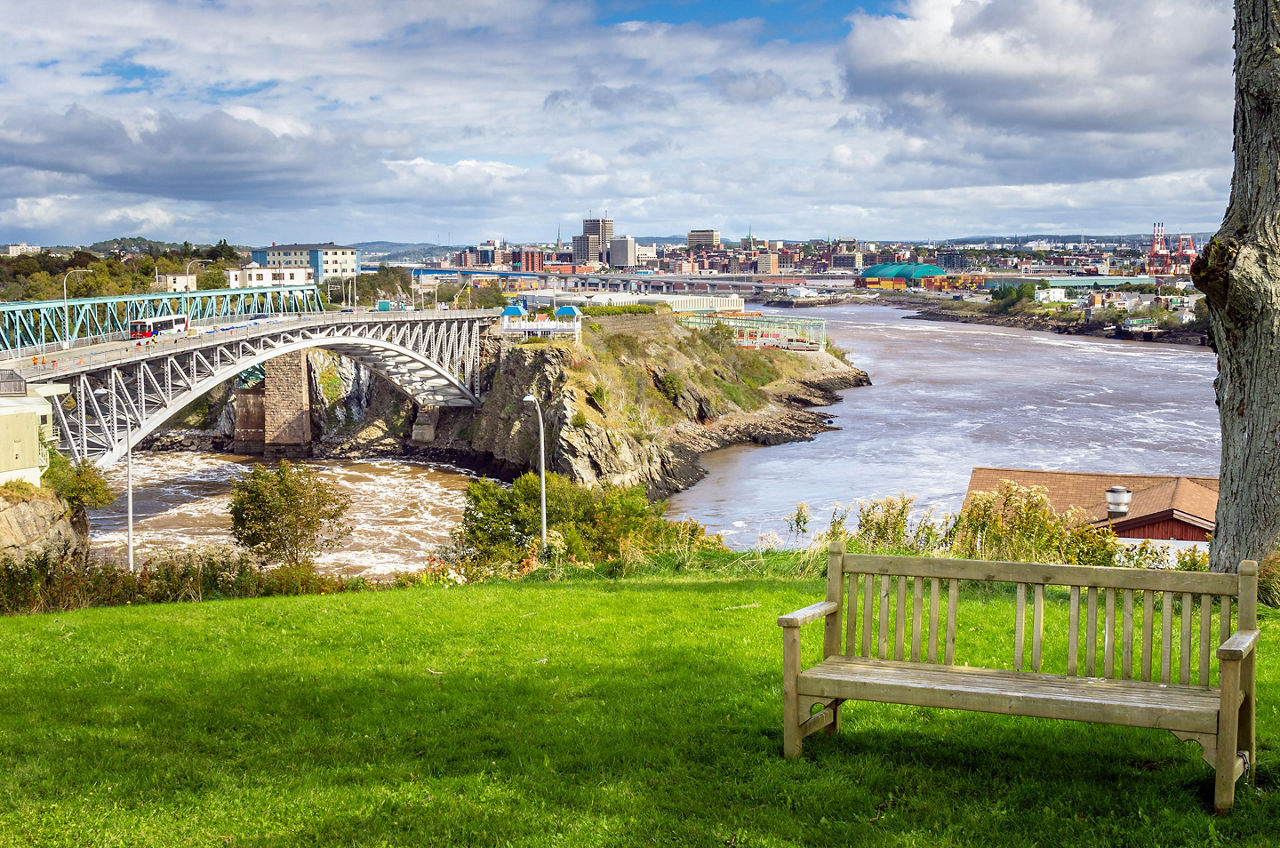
1128,702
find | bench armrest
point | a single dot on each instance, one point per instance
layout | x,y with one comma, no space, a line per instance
813,612
1239,645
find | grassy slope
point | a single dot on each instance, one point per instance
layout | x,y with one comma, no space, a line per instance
630,713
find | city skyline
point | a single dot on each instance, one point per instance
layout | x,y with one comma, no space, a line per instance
429,122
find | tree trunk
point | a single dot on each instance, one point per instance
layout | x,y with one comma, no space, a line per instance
1239,272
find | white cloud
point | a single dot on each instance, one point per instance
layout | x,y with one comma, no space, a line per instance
287,120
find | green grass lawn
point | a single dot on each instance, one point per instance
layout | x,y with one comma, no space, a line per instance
639,712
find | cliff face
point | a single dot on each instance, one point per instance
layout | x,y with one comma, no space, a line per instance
42,520
636,402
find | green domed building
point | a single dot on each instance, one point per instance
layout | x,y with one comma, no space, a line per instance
901,275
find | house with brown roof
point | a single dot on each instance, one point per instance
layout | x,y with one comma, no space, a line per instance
1162,507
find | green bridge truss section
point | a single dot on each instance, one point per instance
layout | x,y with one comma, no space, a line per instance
30,324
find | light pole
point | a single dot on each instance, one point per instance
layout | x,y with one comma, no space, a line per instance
66,309
128,472
128,478
187,272
542,467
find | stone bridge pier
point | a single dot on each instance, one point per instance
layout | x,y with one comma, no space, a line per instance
275,420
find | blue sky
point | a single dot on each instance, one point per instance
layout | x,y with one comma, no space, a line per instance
426,120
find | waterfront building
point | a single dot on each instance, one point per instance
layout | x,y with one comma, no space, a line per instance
329,262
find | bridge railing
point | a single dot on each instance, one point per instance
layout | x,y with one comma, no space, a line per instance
103,353
30,328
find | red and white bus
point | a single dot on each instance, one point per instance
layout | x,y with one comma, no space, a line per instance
167,325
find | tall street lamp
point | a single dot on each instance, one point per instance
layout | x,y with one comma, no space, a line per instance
187,272
66,309
542,467
128,473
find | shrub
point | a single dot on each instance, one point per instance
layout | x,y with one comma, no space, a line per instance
287,514
500,530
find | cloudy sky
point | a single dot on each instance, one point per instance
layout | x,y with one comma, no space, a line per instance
462,120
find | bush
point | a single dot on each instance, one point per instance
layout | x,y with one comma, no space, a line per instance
500,530
60,578
81,484
287,514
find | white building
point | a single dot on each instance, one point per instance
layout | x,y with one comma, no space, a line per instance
329,262
175,283
26,427
254,275
21,249
622,252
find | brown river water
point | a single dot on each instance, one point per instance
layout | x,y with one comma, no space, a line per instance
945,398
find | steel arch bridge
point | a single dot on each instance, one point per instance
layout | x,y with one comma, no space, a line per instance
27,325
118,397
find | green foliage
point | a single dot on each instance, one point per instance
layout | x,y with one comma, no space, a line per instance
60,578
579,419
287,514
1017,523
81,484
1006,298
633,309
18,491
671,385
501,525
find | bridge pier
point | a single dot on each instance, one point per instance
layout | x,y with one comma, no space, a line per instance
287,407
250,421
424,426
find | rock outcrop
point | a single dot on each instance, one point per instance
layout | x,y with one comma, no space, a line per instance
38,521
636,402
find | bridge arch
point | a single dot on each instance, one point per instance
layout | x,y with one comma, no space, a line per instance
117,404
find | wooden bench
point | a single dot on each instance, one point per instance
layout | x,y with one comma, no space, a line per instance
904,609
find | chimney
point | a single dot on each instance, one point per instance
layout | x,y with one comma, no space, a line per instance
1118,500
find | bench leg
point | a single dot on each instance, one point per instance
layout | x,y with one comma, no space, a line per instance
1248,739
1229,718
791,736
834,727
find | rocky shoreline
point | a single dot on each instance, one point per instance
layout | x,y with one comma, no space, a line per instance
499,439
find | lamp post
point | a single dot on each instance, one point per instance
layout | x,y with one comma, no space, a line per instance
128,473
187,272
66,308
542,467
128,478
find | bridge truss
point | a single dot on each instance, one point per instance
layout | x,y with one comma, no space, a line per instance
115,403
36,324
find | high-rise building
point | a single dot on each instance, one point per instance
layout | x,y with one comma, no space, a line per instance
586,248
704,238
601,228
622,252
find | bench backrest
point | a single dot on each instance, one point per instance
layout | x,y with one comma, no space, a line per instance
889,595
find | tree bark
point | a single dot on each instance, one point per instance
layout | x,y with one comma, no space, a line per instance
1239,272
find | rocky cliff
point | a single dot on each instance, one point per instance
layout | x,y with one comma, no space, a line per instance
636,401
41,520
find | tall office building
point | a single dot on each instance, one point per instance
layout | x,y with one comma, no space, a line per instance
622,252
586,248
704,238
601,228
